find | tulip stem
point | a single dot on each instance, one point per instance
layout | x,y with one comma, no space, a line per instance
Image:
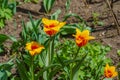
71,74
77,53
32,68
49,57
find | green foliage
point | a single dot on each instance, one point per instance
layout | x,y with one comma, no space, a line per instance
31,30
3,75
1,48
7,9
5,70
92,64
3,38
48,4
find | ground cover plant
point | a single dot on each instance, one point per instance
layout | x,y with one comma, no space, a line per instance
7,10
49,48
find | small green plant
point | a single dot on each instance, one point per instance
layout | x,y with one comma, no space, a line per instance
5,70
7,9
48,4
96,20
67,4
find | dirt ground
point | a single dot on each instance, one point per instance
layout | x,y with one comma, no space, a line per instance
106,34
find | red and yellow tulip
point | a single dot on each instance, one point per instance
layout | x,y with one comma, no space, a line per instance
51,27
110,72
34,48
83,37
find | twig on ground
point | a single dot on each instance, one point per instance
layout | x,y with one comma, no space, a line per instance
114,16
85,2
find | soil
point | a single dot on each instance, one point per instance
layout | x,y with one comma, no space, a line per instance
106,34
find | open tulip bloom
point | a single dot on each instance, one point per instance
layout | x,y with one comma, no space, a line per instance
34,48
51,27
83,37
110,72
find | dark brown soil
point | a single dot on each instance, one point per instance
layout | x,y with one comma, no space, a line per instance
106,34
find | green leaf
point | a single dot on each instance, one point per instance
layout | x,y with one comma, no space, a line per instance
55,15
73,15
118,52
68,29
48,4
107,79
22,70
75,69
4,3
12,38
67,4
35,28
12,7
1,48
3,75
76,76
24,31
3,38
5,69
100,23
2,23
45,69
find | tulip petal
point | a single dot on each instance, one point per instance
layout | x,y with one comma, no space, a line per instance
85,33
78,32
48,22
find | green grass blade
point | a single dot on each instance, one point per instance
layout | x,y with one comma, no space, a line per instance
3,38
76,67
73,15
45,5
55,15
5,4
24,31
50,4
22,70
45,69
67,4
34,26
3,75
